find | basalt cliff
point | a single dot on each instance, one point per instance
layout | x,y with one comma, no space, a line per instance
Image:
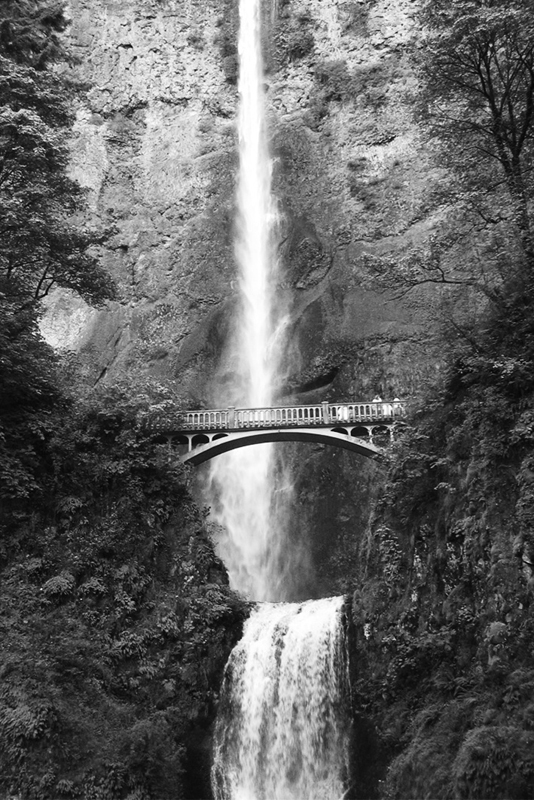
155,146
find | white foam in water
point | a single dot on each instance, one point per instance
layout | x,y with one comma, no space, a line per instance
282,730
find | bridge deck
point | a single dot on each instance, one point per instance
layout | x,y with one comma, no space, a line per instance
321,415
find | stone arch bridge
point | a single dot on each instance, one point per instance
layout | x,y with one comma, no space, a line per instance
364,427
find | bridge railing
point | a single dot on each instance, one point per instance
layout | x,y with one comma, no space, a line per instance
282,416
198,420
365,412
273,417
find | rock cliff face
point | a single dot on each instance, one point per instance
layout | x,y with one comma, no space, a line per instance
155,145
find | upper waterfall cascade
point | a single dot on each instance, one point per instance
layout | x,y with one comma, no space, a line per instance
242,491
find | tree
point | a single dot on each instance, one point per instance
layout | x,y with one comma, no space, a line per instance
42,244
477,69
29,31
42,241
475,103
116,618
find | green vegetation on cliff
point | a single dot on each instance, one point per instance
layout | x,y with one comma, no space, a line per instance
475,107
41,243
448,586
449,564
116,619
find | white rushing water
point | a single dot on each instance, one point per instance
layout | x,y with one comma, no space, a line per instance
282,730
242,490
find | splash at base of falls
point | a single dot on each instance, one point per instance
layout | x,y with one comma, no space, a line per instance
251,495
283,727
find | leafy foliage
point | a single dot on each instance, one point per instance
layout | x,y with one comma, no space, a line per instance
478,69
447,590
29,32
475,104
446,595
116,618
293,37
42,244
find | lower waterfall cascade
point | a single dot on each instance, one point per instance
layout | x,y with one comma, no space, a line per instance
283,727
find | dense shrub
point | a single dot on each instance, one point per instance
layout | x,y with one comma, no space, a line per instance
300,43
116,619
334,79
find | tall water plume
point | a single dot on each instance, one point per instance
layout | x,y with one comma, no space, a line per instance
282,729
242,483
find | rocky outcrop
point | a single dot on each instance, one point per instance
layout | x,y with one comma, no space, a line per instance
154,146
353,180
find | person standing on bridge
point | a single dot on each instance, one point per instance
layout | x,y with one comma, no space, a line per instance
377,399
398,407
387,409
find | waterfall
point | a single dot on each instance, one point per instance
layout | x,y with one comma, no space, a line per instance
242,490
282,730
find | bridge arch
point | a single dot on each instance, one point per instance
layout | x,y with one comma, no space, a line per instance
361,432
179,438
223,443
200,439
